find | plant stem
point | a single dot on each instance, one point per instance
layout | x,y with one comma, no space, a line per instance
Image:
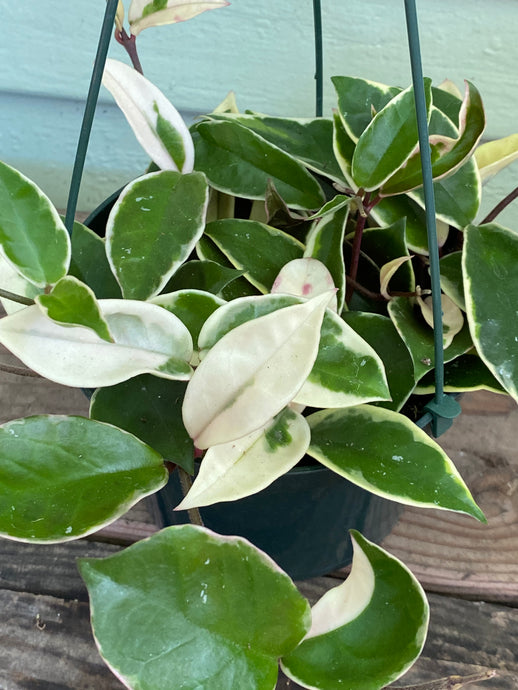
16,298
19,371
500,206
450,683
355,257
129,44
186,483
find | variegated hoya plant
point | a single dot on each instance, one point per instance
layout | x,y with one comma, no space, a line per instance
261,296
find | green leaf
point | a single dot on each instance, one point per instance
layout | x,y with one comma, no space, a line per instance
496,155
72,303
466,373
387,243
373,626
150,408
490,257
451,278
448,153
384,452
66,477
324,242
153,228
208,276
258,249
309,140
448,99
243,467
33,238
389,140
180,609
148,339
343,147
359,100
145,13
418,337
158,126
239,162
192,307
381,334
391,210
89,263
252,373
452,317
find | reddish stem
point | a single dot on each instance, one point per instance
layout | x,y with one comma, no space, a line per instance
357,243
500,207
129,44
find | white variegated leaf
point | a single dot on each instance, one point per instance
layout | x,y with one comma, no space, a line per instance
12,281
148,339
452,318
157,124
306,278
247,465
146,13
252,373
388,270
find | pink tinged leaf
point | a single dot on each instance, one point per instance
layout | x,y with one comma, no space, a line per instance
157,124
306,278
253,372
175,11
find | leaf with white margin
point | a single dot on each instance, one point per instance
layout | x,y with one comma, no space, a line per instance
385,453
72,303
489,261
33,238
466,373
190,608
152,229
157,124
88,475
373,626
325,241
243,467
252,373
304,278
387,271
12,281
452,318
148,339
145,13
496,155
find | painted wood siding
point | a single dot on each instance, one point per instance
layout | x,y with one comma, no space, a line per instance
261,50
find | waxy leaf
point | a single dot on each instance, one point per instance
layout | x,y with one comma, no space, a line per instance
390,210
66,477
308,140
418,337
145,13
157,124
150,408
209,276
386,243
304,278
388,270
496,155
380,333
343,147
89,263
12,281
389,140
257,249
466,373
181,609
490,256
252,373
148,339
451,278
381,607
384,452
452,318
72,303
153,228
33,239
239,162
448,153
324,242
230,471
192,307
359,100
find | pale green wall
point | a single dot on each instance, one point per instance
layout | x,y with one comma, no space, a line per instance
262,50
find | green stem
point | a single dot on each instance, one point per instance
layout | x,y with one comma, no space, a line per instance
27,301
500,206
130,46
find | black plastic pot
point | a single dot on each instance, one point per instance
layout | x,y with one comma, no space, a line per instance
301,520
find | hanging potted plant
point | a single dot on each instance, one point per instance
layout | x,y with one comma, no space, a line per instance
260,299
